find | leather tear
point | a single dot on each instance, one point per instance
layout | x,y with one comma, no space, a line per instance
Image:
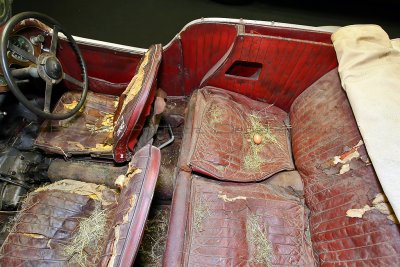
91,190
103,125
345,168
132,203
72,105
347,156
136,83
225,198
379,203
123,180
114,253
77,144
32,235
102,147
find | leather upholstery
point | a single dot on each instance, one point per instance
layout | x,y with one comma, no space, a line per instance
221,141
212,222
323,127
106,125
49,219
129,220
88,132
135,104
324,134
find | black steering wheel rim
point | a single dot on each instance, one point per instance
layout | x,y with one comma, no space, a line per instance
52,23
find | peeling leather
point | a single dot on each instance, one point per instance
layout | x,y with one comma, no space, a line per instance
322,126
131,213
218,237
53,215
50,217
84,133
135,103
219,141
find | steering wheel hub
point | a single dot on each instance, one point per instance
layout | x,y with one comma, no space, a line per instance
52,67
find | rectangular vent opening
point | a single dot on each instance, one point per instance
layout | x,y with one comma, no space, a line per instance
245,69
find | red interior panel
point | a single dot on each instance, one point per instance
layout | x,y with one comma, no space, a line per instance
289,66
109,70
203,45
171,69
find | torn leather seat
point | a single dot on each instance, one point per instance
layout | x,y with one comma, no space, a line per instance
222,223
107,125
72,223
221,132
236,224
351,222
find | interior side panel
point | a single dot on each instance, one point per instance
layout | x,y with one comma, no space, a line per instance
203,45
286,68
109,71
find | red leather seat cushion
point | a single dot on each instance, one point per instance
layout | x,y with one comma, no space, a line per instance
221,140
51,218
47,224
89,131
323,127
236,224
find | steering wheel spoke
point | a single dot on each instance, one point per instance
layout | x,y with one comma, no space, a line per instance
72,80
54,40
47,66
47,96
22,53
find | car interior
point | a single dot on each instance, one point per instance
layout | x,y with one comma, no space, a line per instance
239,133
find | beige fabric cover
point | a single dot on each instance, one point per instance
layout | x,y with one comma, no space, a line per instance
369,68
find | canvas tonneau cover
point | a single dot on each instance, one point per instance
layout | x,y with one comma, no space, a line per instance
369,68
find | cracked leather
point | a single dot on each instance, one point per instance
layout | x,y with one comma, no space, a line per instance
323,126
217,231
222,137
81,133
49,220
47,223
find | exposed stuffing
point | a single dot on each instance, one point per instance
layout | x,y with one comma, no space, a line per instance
379,203
123,180
345,168
72,105
117,229
103,125
91,190
97,148
347,156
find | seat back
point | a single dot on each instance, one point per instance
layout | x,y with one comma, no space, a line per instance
133,207
105,125
135,104
339,180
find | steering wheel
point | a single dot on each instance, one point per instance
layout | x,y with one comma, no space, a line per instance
46,66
